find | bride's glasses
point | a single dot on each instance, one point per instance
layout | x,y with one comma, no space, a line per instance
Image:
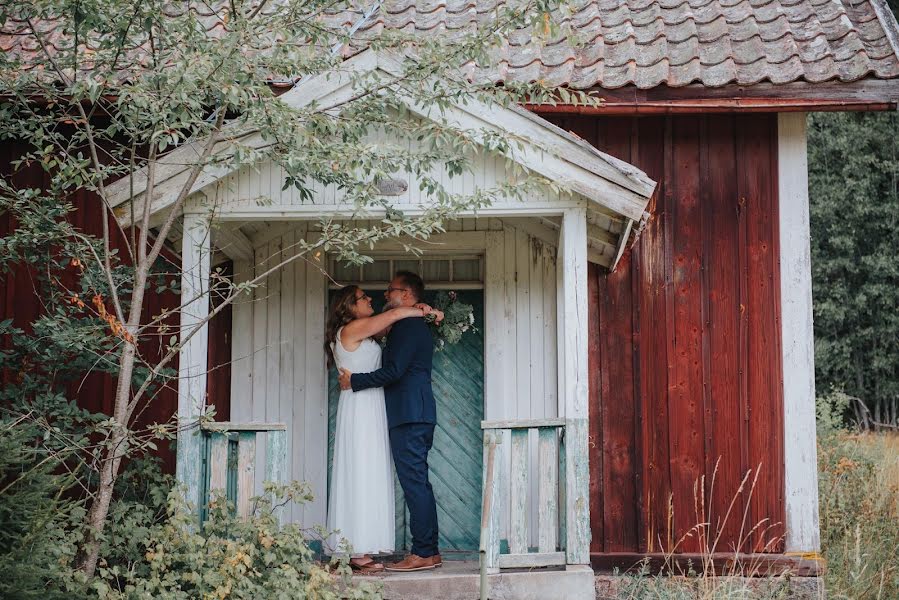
363,297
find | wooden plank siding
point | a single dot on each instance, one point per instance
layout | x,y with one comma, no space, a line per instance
96,391
685,368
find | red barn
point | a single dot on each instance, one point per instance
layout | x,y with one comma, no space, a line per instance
645,354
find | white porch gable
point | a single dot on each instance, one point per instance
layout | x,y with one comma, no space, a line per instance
614,193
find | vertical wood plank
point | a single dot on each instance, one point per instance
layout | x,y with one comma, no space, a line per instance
315,445
573,240
618,438
275,462
518,498
195,256
286,361
615,446
686,436
594,363
654,352
722,265
764,374
548,490
218,463
495,343
242,347
246,467
798,350
550,338
497,505
297,424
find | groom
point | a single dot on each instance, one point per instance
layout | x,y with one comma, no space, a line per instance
405,376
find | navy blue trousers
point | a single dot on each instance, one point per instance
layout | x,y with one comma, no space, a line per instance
410,444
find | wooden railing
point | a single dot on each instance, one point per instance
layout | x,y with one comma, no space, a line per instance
514,484
229,454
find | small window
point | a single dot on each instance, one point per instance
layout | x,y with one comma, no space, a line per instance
443,272
435,270
377,271
468,269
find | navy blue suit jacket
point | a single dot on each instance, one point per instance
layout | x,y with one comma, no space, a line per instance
405,374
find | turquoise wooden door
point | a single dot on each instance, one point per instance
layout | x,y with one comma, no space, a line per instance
455,459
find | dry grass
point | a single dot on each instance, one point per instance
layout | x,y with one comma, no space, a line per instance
740,579
859,500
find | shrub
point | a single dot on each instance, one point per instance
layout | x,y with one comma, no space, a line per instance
36,518
227,557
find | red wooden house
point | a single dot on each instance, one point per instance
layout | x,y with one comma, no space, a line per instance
700,379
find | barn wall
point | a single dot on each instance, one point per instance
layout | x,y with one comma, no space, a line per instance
685,342
19,300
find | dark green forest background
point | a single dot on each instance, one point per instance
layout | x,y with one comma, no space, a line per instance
854,195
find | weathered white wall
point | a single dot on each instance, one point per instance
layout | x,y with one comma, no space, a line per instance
265,180
279,373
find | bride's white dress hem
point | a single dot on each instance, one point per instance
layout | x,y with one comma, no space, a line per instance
360,503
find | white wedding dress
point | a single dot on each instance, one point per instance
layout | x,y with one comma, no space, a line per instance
360,506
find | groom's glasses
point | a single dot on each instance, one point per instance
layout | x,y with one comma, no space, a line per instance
393,289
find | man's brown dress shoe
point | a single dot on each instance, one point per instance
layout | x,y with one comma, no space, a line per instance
413,562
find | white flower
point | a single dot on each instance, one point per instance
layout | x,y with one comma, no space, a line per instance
471,318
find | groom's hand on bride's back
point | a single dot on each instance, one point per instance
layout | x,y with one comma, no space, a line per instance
343,378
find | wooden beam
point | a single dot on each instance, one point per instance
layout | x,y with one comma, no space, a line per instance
573,372
798,351
719,563
225,426
622,244
522,424
864,95
246,211
228,238
535,228
195,256
530,560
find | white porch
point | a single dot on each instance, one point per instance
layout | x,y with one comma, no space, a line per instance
534,252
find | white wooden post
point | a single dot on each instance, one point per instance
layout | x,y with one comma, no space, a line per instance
573,371
800,459
195,254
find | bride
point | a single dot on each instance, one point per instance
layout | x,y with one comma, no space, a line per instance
360,506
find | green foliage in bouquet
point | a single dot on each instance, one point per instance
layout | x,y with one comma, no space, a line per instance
458,319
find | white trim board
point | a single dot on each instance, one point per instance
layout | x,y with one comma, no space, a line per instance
800,458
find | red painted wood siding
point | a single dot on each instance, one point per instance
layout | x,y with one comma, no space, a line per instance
19,300
685,360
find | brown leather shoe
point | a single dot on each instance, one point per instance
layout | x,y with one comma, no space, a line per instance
413,562
436,560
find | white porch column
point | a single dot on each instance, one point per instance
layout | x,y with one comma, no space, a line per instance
800,458
195,255
573,389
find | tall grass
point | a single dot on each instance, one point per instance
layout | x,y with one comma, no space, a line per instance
707,578
859,503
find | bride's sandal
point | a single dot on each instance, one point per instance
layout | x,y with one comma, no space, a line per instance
368,567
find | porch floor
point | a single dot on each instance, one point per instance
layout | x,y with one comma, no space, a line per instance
460,580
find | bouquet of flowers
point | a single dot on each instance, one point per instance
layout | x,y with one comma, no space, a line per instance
458,318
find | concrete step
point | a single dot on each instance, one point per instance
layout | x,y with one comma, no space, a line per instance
460,580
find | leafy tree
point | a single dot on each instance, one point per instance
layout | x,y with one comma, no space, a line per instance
854,189
121,84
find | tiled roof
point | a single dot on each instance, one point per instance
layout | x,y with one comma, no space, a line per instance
645,43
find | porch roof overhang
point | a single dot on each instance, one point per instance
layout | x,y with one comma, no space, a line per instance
614,192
